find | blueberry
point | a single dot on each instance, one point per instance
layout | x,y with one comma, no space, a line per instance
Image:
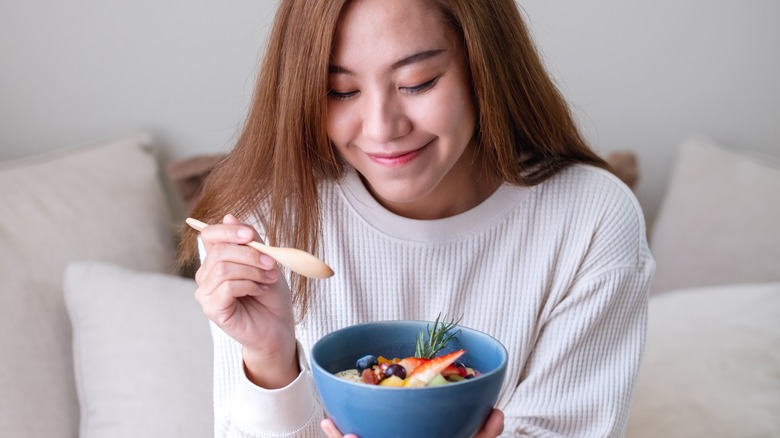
365,362
396,370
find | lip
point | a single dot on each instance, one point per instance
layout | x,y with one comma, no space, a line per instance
400,159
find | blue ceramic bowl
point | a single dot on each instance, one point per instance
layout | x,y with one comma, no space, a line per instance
453,410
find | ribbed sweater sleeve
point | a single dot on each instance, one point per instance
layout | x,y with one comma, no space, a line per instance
242,409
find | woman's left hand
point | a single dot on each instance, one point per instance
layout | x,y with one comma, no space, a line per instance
493,427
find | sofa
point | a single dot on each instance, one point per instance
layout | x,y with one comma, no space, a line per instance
711,366
101,336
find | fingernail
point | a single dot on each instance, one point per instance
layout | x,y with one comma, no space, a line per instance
267,261
243,233
326,426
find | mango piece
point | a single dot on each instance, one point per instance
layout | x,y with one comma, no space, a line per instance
384,360
392,381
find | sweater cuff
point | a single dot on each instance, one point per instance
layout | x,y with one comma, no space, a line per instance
275,411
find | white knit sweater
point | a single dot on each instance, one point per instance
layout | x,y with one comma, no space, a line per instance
558,273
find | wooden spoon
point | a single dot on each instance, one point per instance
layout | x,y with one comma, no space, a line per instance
296,260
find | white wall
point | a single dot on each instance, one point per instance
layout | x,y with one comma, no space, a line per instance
76,71
641,75
647,75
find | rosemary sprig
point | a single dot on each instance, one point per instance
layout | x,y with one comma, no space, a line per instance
438,337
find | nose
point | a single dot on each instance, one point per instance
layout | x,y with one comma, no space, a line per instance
385,119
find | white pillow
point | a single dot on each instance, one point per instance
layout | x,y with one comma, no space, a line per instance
103,202
711,367
719,222
142,353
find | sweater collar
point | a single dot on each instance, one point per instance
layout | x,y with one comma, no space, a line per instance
486,215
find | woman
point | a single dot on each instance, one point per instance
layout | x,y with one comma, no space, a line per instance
421,150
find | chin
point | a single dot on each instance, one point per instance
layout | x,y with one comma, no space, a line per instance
406,187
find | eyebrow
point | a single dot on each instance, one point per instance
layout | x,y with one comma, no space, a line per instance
417,57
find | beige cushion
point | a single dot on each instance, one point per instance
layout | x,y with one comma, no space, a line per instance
712,364
103,201
142,351
719,222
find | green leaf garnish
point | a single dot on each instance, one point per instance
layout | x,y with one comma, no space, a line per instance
438,337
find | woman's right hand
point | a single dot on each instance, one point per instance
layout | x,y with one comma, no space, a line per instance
242,291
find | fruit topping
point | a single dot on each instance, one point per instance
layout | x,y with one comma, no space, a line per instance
396,370
369,376
423,374
366,362
425,368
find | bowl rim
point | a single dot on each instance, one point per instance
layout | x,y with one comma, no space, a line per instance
331,376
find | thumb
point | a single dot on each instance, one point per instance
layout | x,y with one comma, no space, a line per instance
494,426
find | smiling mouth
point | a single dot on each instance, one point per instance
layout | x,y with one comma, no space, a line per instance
398,159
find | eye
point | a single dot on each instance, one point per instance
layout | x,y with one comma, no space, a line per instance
338,95
421,88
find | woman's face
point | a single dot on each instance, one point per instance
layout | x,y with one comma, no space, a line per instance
400,109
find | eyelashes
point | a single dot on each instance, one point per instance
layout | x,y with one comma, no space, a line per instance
416,89
333,94
421,88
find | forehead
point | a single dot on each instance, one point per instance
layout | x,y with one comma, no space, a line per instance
393,28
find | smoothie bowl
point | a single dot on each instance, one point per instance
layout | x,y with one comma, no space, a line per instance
361,376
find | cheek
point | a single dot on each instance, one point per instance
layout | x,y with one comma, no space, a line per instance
337,124
465,112
453,114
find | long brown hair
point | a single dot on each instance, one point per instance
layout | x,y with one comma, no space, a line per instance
525,128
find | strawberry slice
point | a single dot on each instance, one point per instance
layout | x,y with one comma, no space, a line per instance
411,363
424,373
455,369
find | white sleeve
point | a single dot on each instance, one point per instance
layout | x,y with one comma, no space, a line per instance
242,409
579,379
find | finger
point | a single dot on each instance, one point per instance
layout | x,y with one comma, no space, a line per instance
234,264
232,253
229,219
229,231
221,303
494,425
224,295
238,253
330,429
